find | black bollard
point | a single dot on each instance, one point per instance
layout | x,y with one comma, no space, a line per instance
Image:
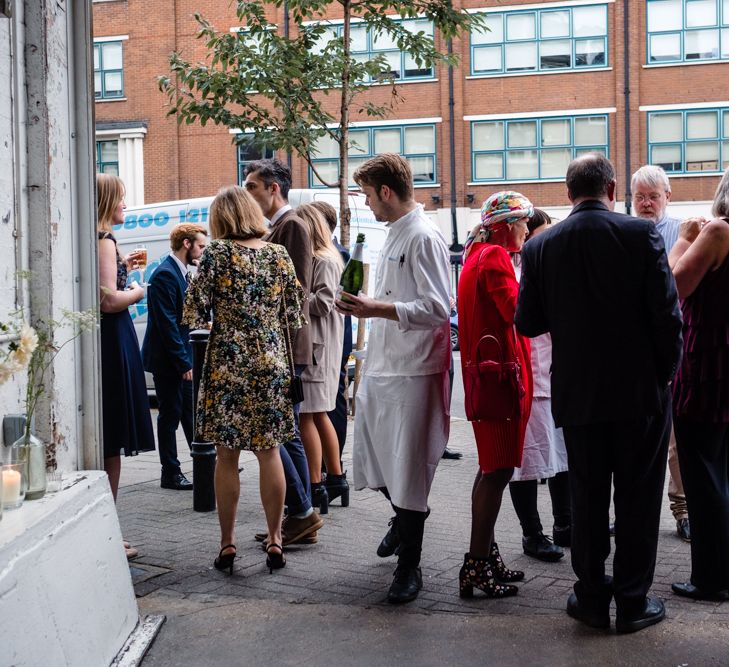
203,453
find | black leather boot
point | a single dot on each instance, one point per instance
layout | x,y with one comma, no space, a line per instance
320,497
337,487
391,542
406,585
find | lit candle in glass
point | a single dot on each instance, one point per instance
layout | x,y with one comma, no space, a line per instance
12,484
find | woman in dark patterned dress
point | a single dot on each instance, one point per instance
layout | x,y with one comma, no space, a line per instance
700,263
251,290
125,406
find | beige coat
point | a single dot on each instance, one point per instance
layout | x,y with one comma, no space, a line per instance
321,378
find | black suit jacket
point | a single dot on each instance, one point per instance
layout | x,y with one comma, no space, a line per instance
599,282
166,349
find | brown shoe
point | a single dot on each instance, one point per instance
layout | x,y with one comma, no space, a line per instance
294,530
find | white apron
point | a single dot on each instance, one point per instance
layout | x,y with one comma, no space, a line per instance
402,428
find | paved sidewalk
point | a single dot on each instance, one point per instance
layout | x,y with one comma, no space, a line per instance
328,604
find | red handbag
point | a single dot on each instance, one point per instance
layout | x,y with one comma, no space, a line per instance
493,386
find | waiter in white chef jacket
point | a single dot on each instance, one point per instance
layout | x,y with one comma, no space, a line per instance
403,420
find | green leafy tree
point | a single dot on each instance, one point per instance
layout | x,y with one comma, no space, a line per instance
277,87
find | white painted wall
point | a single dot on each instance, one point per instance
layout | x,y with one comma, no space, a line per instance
67,598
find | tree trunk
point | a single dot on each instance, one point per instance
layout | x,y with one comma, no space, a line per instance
344,212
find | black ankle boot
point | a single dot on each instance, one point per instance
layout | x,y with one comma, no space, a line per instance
337,487
501,572
478,572
320,497
406,585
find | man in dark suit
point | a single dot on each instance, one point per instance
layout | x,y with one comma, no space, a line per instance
268,182
599,282
166,350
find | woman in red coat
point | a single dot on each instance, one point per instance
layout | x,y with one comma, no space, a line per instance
487,293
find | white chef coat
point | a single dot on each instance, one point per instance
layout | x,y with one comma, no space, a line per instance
402,417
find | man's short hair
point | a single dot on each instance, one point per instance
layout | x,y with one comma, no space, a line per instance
387,169
589,176
652,176
328,212
270,171
185,230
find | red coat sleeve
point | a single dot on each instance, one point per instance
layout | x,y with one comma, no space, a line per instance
497,274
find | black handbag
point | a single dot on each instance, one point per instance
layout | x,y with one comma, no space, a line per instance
296,387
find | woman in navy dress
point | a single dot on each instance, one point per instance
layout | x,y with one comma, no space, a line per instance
125,406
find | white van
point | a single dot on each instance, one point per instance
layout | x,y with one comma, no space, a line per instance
150,225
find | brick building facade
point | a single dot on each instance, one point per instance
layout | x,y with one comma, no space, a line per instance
547,82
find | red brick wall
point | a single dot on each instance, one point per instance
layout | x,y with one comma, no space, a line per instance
189,161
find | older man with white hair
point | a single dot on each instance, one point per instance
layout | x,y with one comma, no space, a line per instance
651,193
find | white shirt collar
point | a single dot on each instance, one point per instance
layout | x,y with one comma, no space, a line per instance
183,268
408,216
275,217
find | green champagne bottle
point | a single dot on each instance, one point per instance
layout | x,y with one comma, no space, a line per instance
353,274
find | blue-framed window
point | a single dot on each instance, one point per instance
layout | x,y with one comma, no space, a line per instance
566,38
534,149
107,157
247,152
416,143
108,70
687,30
366,45
689,141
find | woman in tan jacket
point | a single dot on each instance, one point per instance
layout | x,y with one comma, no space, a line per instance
321,377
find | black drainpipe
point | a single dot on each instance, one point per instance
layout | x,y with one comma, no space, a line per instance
286,34
455,247
626,93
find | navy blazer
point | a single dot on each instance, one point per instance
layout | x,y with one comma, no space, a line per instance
599,282
166,349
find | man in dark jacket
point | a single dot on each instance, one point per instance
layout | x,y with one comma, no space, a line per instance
268,182
166,349
599,282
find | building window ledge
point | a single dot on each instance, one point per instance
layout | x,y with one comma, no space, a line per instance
504,75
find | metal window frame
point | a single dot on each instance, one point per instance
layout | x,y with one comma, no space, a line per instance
100,164
539,40
102,94
722,138
538,147
315,184
722,23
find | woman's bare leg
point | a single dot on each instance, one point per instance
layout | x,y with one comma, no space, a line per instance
272,485
488,490
227,492
329,443
312,445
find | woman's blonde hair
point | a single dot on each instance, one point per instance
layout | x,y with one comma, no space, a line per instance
234,214
109,193
321,237
720,208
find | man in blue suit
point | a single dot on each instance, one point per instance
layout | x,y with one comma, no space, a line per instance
166,350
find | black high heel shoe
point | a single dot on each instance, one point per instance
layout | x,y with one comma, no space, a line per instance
320,497
274,559
225,561
337,487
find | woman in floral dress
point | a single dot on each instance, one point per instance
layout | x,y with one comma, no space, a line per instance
250,288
